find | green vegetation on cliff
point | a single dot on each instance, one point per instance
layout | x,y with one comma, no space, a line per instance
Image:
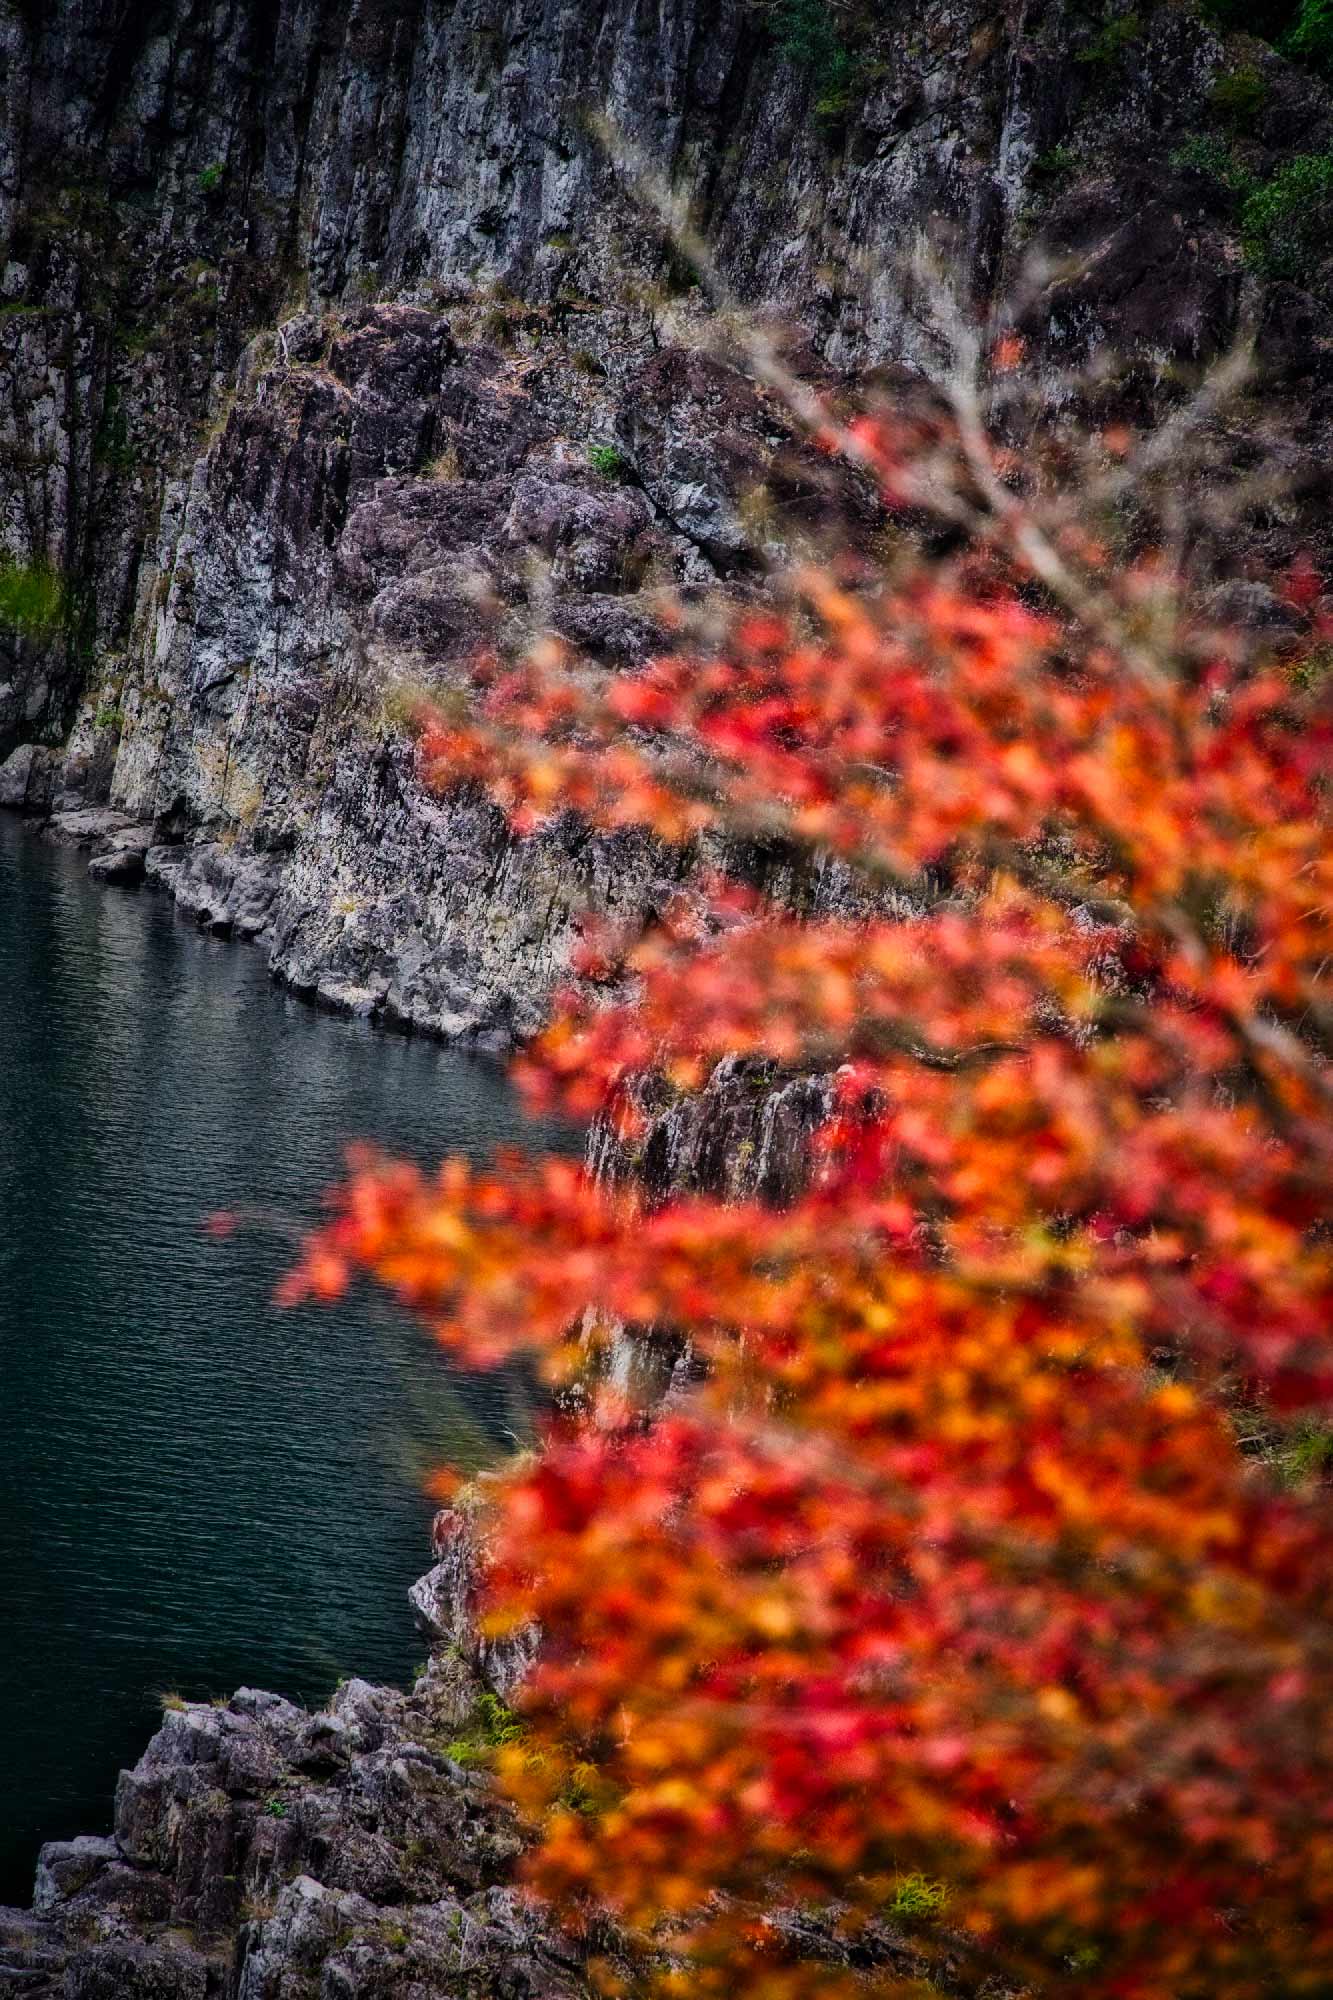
34,598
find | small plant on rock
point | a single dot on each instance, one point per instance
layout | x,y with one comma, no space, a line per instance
1111,40
1057,163
1238,97
917,1899
606,459
1310,39
34,598
1208,153
493,1726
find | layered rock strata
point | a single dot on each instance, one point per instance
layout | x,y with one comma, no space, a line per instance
311,315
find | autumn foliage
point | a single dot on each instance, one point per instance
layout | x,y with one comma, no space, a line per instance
972,1556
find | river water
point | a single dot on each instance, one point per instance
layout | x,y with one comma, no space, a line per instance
197,1490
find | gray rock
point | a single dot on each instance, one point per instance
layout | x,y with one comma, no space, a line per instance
443,1604
261,1851
29,777
16,775
139,1972
119,864
92,826
65,1867
123,859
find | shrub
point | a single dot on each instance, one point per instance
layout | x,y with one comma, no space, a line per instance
807,34
496,1720
492,1726
1302,29
1238,97
1112,39
1311,668
1309,1454
1288,222
1206,153
1310,38
210,180
1056,164
823,41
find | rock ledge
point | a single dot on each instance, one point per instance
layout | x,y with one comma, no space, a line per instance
264,1852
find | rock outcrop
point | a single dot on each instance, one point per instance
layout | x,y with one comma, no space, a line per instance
384,501
262,1852
386,498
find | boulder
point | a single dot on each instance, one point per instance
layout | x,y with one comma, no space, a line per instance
27,778
66,1867
123,860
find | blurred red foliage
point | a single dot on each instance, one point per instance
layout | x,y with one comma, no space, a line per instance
960,1563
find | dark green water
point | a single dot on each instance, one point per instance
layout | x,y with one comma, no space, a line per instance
196,1490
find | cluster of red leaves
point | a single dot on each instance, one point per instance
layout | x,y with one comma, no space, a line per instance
954,1561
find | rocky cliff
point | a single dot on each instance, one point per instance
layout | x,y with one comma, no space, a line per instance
333,340
261,1852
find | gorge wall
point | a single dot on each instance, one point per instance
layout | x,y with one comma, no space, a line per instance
310,313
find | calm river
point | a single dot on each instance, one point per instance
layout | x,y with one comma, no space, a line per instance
196,1490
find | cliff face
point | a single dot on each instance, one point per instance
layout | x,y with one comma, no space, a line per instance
311,311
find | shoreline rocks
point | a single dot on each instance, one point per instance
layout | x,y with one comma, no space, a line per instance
265,1852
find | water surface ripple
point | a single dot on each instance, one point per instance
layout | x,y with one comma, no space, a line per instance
196,1490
